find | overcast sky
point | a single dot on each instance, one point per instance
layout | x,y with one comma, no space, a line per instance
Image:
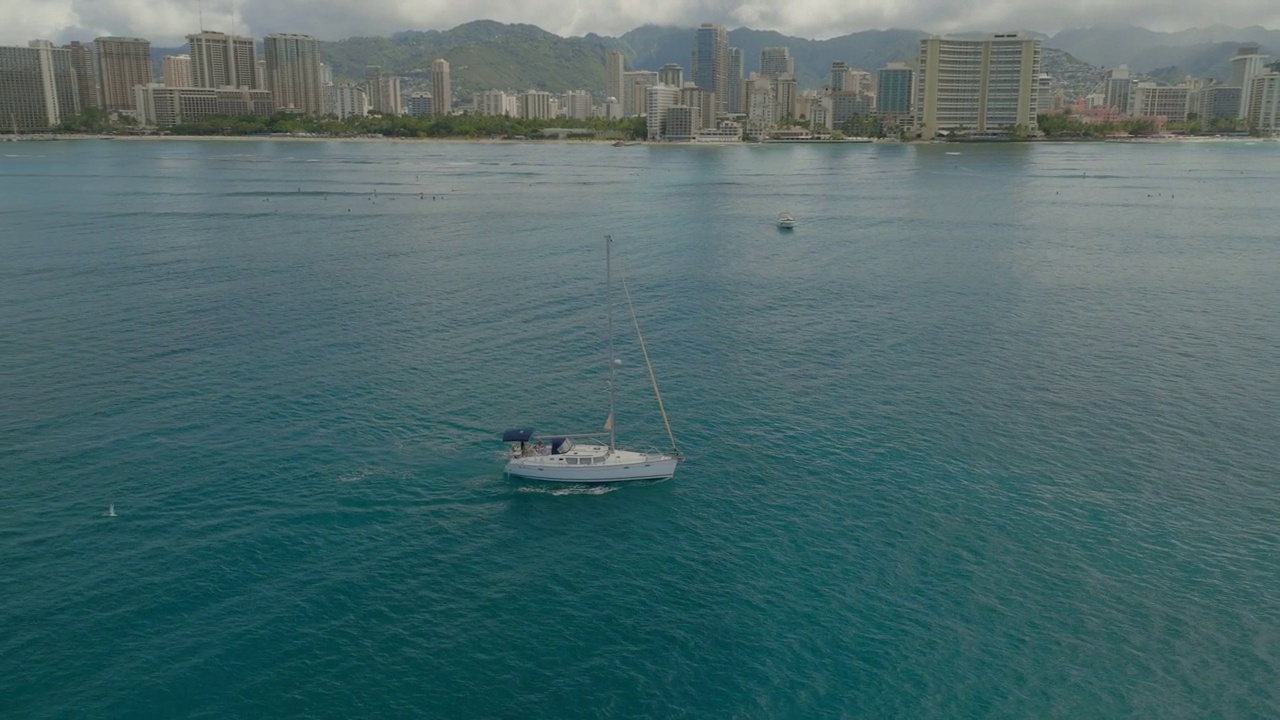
166,22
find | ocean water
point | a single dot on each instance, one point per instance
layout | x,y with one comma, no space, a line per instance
993,433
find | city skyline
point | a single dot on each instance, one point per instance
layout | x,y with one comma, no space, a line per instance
167,22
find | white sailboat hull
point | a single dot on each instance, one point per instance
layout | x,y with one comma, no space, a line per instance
593,464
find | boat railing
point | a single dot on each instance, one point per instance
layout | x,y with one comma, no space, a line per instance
651,453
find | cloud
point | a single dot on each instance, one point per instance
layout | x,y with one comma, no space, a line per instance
166,22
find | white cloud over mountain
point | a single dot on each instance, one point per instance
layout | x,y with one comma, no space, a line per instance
165,22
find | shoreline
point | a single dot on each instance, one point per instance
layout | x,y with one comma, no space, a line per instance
593,141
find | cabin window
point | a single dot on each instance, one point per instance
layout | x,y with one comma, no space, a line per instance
571,461
599,460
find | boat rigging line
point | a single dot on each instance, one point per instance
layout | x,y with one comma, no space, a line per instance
649,365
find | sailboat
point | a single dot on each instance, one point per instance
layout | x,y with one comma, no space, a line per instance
593,457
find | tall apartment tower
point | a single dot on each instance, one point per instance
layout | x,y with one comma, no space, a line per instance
614,65
635,85
711,63
176,70
86,82
441,88
736,74
384,91
893,89
986,86
221,60
671,74
839,76
293,72
776,61
1264,99
535,105
1246,64
1117,89
657,99
345,100
577,105
122,63
37,86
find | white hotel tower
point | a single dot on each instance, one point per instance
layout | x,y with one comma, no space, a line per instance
985,87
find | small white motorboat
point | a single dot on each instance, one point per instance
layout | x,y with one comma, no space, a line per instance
786,221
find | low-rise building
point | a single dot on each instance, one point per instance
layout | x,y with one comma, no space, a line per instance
161,106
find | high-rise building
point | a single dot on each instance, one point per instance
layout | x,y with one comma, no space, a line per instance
986,86
536,105
495,102
86,82
681,122
736,73
839,76
176,71
785,93
703,101
1264,99
614,66
761,102
326,74
37,86
421,104
345,100
1117,89
776,61
711,63
1246,64
657,99
860,80
441,88
221,60
635,84
1149,100
122,63
260,73
577,105
1044,93
671,74
893,89
293,72
1218,102
384,91
848,104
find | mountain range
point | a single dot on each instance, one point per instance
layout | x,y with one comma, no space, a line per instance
485,54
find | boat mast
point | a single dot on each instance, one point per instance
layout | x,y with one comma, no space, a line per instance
613,362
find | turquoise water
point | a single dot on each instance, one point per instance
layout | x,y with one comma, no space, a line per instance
990,434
